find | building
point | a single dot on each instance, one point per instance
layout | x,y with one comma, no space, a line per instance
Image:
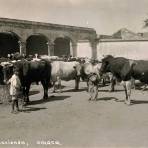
124,43
29,37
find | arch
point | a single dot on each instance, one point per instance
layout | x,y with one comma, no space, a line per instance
37,43
9,43
62,46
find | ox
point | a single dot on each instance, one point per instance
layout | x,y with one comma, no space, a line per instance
125,70
65,71
90,68
32,71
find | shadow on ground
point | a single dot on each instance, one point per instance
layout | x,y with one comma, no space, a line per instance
57,87
134,102
74,90
51,98
106,90
30,109
140,88
107,99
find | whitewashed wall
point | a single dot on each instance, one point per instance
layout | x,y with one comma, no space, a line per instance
129,49
84,49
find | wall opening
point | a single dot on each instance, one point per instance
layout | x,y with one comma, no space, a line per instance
37,44
8,43
62,47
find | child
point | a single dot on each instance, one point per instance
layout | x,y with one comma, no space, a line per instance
15,86
93,86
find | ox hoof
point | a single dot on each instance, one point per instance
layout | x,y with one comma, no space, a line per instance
94,99
60,91
127,102
45,98
89,99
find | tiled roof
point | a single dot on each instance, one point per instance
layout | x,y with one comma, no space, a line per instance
126,34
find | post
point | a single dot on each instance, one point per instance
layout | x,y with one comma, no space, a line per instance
94,49
51,48
22,47
74,49
48,48
71,50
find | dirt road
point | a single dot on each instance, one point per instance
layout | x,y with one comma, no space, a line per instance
70,120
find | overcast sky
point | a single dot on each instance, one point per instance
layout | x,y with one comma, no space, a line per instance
106,16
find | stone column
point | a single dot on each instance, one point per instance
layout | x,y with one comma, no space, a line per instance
74,49
71,50
94,49
48,49
51,48
22,47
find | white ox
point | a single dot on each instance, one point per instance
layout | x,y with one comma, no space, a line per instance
88,69
65,71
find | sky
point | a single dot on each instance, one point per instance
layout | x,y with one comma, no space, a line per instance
105,16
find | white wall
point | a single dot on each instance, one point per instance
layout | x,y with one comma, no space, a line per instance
129,49
84,49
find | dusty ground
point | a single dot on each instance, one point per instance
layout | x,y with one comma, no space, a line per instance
70,120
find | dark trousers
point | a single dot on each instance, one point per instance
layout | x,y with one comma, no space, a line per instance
15,104
93,91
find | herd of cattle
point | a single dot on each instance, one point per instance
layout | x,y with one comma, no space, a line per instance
49,70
